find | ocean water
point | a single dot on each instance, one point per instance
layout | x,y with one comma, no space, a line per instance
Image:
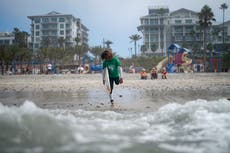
198,126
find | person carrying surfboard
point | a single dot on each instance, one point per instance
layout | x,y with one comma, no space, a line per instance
113,64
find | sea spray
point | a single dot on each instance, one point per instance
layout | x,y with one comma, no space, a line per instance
199,126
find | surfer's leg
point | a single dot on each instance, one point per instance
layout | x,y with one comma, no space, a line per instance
117,80
111,86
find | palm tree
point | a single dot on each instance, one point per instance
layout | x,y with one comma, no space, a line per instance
223,6
20,37
46,41
134,38
206,17
61,42
78,49
108,43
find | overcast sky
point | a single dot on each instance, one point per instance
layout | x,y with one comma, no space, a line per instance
113,20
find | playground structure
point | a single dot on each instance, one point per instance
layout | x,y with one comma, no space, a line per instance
89,65
177,60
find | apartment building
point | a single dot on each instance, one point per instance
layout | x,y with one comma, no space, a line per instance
155,29
52,28
160,28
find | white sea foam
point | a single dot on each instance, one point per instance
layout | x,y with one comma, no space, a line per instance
201,126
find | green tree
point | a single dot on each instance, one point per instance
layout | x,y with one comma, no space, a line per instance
45,42
61,42
134,38
20,38
96,51
153,47
206,17
143,48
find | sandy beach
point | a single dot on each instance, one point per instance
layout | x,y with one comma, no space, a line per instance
85,91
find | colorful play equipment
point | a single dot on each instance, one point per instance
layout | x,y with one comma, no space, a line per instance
178,60
88,63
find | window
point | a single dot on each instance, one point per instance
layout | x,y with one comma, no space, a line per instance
53,26
146,21
178,21
37,39
61,20
188,21
62,32
54,33
188,29
45,19
61,26
37,33
54,19
45,26
67,26
153,30
179,29
7,42
154,38
45,33
36,45
153,21
178,37
37,20
37,27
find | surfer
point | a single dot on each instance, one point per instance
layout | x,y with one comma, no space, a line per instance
113,64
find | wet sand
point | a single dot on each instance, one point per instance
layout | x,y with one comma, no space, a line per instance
85,91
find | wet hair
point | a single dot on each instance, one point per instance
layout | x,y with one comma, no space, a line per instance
107,54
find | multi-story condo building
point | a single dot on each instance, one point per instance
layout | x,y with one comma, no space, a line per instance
184,28
155,28
161,28
6,38
53,28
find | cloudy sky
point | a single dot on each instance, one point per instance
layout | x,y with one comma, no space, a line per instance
113,20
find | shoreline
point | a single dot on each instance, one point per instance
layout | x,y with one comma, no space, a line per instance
85,91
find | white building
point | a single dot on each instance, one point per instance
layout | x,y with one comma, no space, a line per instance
154,28
6,38
50,29
160,28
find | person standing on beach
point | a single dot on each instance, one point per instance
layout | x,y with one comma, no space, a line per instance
143,74
49,68
154,73
164,74
114,68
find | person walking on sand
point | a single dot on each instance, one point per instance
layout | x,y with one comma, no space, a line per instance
114,68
